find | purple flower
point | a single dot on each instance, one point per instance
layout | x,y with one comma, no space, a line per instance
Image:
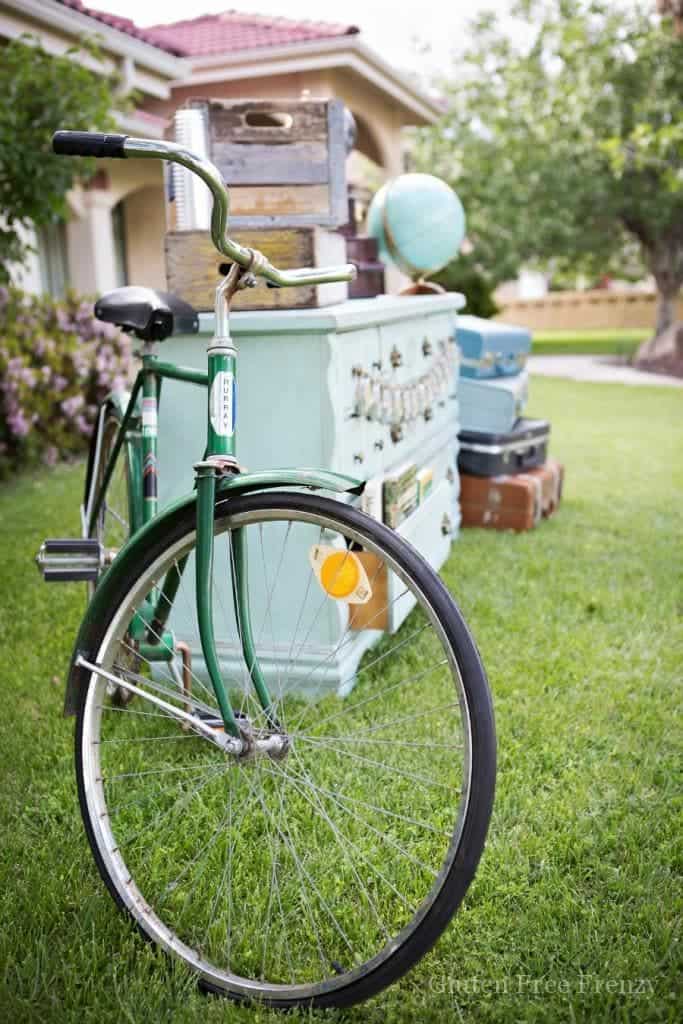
72,405
82,424
59,383
18,423
63,321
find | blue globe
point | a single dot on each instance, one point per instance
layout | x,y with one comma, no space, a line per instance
419,223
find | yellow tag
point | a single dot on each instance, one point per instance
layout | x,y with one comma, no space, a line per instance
340,573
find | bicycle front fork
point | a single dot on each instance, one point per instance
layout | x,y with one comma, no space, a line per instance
220,456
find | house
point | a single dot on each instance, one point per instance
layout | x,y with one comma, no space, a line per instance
116,226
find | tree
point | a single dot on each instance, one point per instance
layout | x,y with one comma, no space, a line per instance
675,9
567,149
40,94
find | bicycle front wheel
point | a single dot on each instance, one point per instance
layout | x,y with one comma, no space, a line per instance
321,876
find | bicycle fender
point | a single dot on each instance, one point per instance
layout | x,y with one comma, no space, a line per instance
152,532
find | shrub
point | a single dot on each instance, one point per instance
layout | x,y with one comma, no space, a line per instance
464,275
57,363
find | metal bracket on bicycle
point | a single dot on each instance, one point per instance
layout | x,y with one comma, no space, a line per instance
217,465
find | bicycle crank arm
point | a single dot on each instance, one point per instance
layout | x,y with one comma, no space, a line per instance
230,744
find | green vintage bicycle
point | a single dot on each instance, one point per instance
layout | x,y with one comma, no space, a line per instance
290,844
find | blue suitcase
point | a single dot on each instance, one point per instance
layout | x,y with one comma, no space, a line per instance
492,406
490,349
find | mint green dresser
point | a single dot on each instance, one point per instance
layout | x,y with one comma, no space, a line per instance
360,388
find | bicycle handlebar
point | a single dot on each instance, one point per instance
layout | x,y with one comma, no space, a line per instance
121,146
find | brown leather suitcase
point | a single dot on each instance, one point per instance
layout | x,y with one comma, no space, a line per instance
501,502
551,475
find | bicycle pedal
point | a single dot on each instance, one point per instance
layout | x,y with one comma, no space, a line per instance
70,560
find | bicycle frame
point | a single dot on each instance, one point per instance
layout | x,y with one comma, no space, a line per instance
213,474
219,456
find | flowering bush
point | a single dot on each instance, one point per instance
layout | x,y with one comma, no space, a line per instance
57,363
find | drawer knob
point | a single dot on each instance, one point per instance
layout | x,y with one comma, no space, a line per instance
358,457
396,434
446,525
379,445
427,347
450,475
428,413
395,357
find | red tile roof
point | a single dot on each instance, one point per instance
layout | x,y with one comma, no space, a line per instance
123,25
219,33
234,30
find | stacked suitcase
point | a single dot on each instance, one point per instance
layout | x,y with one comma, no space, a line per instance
507,481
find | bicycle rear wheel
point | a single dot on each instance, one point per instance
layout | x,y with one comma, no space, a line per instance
320,877
115,520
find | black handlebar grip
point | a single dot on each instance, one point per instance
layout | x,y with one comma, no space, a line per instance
88,144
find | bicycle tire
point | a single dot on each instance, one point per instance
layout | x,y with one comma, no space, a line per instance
464,859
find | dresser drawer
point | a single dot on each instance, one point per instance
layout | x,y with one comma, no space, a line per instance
354,368
429,529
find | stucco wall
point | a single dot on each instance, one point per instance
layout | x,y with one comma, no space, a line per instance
145,221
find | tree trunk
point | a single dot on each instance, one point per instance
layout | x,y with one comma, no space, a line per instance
666,312
667,342
666,266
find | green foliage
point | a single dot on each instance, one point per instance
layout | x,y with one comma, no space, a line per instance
42,93
464,275
57,363
567,147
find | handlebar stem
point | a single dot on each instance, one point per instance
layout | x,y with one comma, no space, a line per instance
248,259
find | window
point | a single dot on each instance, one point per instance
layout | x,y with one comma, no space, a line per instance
118,226
52,257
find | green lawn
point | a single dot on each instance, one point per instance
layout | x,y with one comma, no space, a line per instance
595,342
575,912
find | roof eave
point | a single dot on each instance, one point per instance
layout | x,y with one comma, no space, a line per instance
338,51
74,23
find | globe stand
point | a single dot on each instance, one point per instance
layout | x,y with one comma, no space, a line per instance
422,287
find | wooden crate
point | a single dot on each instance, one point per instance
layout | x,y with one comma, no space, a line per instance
284,161
193,267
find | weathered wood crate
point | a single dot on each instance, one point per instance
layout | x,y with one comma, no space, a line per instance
193,267
284,161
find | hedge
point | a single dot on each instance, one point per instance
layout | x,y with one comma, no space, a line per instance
57,363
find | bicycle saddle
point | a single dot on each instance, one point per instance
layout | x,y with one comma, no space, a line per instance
150,315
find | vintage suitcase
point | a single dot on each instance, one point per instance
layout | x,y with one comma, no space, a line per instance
492,406
517,450
193,267
491,349
284,160
551,476
502,502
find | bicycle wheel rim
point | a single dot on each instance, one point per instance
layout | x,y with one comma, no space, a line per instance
130,896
